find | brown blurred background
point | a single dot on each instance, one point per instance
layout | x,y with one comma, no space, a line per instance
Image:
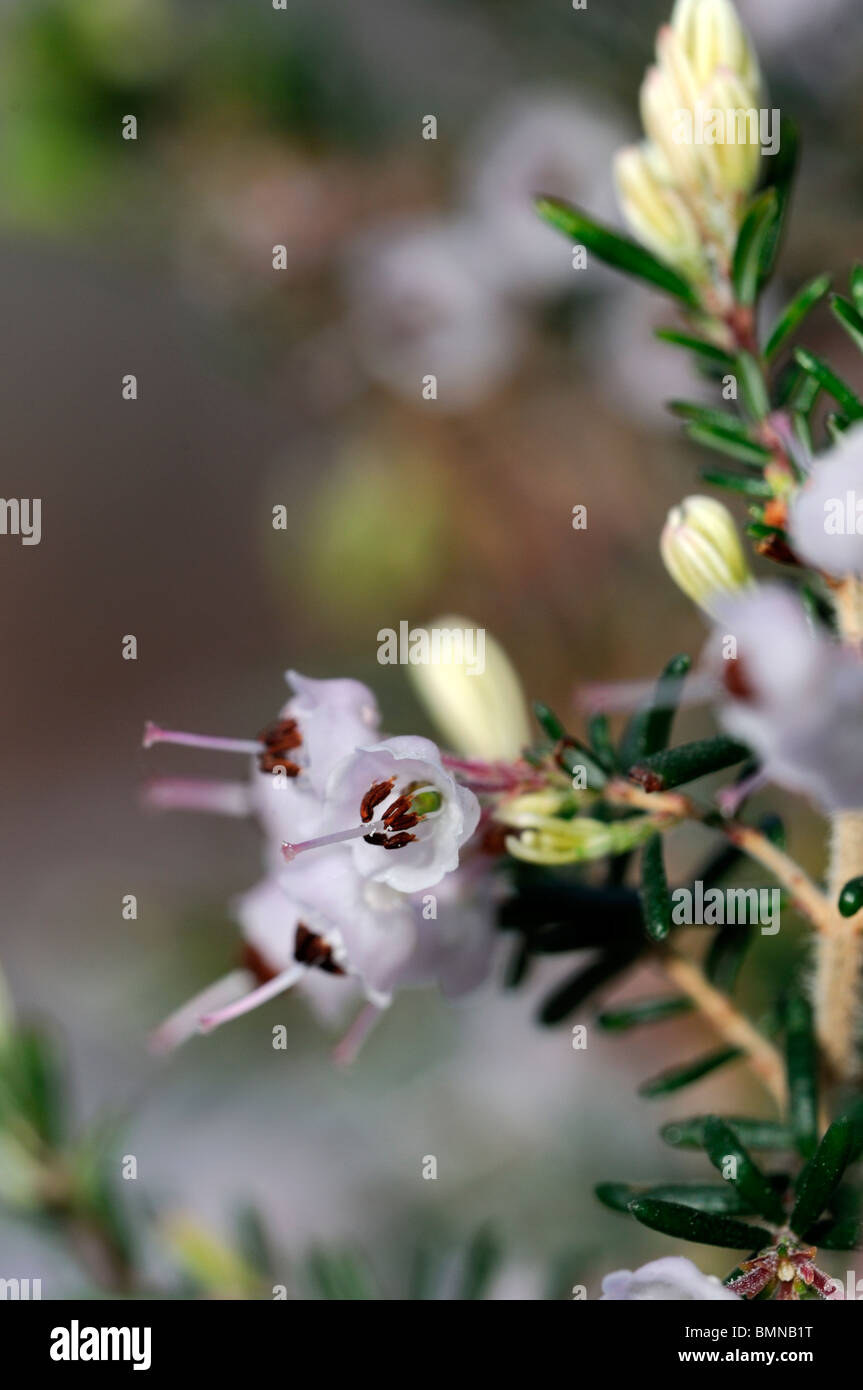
303,387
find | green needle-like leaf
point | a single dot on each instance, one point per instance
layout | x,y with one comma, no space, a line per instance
725,957
676,1078
802,1062
655,897
755,1134
619,251
730,443
708,354
649,729
708,415
751,246
753,386
720,1198
780,171
822,1174
833,384
732,1160
644,1011
844,1234
738,482
687,762
794,313
599,733
849,318
684,1223
585,982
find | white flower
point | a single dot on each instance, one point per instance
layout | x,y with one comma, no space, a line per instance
420,304
672,1278
794,697
405,815
826,520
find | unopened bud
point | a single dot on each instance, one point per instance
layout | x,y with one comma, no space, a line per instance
702,552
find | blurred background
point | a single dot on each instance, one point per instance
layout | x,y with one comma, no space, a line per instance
302,386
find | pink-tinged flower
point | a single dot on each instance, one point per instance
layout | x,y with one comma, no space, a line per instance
672,1278
826,518
403,813
794,697
785,1273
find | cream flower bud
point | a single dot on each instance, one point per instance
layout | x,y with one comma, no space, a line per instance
712,37
553,840
702,552
481,713
656,213
664,108
735,158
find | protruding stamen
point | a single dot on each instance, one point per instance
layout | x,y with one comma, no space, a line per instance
290,851
347,1051
279,983
183,1023
153,734
197,794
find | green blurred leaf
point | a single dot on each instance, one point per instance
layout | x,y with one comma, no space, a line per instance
822,1174
578,987
599,733
481,1262
794,313
707,353
851,897
721,1144
730,443
780,169
673,1219
843,1234
833,384
801,1056
616,250
643,1011
752,386
849,318
738,482
655,897
856,281
755,1134
752,243
677,1077
725,957
720,1198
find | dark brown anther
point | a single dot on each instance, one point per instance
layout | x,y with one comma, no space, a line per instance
377,793
398,841
735,680
268,762
404,822
281,736
260,967
312,950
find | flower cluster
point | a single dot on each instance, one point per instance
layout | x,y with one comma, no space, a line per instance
357,828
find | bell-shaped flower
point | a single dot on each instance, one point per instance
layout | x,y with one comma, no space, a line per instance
671,1279
826,519
795,697
403,814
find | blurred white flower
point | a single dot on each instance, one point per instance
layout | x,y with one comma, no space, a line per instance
671,1279
794,697
420,304
537,145
826,517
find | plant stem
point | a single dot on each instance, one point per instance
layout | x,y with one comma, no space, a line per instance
736,1029
839,951
807,896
